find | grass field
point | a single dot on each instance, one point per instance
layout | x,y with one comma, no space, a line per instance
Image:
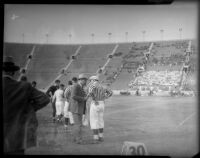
167,126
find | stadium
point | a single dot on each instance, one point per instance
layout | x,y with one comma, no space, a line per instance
155,93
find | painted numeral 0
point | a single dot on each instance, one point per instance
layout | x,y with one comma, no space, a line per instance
138,150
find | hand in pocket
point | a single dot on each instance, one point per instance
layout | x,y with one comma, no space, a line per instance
96,103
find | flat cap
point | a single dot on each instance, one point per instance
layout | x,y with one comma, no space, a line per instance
82,76
94,78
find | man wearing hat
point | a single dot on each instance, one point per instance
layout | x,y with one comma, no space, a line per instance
98,93
78,100
20,102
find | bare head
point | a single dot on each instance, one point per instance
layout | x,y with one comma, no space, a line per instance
62,86
74,80
57,82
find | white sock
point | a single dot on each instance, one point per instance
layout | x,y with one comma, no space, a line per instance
101,135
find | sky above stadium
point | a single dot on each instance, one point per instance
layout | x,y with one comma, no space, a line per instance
32,23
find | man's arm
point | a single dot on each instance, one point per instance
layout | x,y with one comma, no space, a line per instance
109,93
39,98
49,92
75,90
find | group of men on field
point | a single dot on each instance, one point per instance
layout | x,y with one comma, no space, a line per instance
80,103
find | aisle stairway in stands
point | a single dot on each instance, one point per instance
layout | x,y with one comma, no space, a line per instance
49,60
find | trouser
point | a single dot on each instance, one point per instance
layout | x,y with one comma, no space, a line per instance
60,108
53,108
67,113
77,128
96,115
87,115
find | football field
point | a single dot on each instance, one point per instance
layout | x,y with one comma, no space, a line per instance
166,125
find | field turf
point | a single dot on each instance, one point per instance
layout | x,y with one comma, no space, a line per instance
166,125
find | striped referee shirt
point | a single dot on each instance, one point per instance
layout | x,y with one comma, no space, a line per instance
88,86
98,92
68,92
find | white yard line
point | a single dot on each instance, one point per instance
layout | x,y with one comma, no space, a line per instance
120,111
187,118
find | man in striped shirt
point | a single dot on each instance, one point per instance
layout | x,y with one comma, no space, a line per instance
88,103
98,94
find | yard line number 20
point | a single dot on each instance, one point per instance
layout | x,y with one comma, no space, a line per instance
137,150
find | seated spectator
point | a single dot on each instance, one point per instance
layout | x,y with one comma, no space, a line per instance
151,91
185,67
138,92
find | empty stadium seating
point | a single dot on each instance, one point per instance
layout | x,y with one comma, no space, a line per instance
49,60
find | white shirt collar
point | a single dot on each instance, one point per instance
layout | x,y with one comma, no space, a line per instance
80,85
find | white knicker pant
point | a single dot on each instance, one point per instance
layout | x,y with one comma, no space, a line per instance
67,113
96,115
60,107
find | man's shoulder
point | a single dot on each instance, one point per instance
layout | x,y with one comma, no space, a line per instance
17,84
53,87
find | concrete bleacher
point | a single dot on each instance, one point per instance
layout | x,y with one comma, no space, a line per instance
115,64
91,57
18,51
170,56
122,80
48,60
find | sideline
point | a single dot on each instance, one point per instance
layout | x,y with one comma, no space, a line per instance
133,108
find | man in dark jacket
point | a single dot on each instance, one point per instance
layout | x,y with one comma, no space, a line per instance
19,100
78,99
50,92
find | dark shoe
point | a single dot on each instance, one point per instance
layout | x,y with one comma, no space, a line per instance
80,141
76,139
94,141
101,139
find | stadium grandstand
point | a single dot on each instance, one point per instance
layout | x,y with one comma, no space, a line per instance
118,64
